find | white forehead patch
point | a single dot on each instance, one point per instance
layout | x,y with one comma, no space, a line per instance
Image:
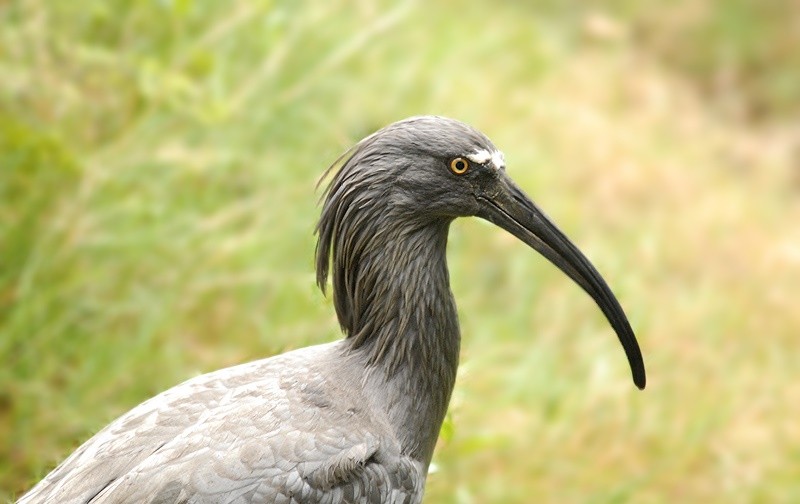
483,156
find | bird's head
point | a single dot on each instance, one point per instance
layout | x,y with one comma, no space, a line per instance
428,169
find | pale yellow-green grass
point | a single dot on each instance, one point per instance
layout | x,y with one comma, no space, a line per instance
158,163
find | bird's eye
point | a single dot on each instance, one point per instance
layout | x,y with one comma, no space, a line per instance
459,165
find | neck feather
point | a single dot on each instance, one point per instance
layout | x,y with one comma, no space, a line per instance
405,313
408,336
393,299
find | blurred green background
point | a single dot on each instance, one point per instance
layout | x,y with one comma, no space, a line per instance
158,162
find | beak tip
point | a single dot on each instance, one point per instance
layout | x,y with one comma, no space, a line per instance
640,380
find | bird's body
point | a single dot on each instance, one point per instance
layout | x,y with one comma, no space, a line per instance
297,427
354,421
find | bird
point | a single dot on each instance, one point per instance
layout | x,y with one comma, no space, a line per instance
354,420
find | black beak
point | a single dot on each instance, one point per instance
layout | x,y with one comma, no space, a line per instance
509,208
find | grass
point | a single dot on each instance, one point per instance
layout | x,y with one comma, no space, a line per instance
157,205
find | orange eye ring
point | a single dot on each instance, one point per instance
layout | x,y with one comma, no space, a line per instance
459,165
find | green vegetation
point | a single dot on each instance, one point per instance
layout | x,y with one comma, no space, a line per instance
157,207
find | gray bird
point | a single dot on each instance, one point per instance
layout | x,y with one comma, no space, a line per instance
356,420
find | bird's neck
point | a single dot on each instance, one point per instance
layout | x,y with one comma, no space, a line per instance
410,345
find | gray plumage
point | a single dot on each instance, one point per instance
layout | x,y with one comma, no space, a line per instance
354,421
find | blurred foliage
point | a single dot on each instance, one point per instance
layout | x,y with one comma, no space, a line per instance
157,206
742,53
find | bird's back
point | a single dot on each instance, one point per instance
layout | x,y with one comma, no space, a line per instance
292,428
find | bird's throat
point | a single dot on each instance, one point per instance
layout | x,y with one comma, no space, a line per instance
410,346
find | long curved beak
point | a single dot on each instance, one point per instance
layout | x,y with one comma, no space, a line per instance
509,208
